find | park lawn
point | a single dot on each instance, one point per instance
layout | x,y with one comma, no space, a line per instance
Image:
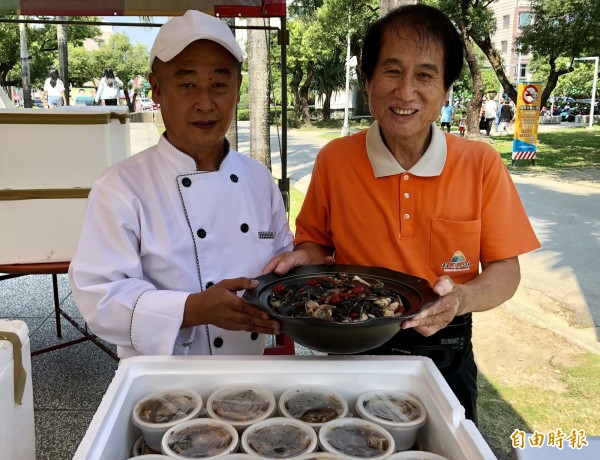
559,149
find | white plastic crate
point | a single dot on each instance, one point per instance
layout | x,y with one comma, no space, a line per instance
46,156
112,434
17,432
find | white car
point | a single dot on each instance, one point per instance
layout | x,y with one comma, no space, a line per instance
146,103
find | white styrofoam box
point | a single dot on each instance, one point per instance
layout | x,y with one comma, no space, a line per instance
38,231
60,148
17,429
111,433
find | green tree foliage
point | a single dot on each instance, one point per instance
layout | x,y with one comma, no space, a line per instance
43,49
577,84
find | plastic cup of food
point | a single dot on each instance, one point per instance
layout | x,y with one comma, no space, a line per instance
320,456
141,448
155,413
279,437
237,457
241,405
312,404
416,455
150,457
399,413
205,438
356,438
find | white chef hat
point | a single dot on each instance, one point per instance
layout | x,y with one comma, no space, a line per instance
178,32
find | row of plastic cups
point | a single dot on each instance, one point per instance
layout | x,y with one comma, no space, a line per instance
242,405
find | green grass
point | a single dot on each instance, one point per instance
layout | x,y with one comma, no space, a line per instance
502,408
296,200
569,148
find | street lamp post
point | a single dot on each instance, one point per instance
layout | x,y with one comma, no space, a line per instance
594,58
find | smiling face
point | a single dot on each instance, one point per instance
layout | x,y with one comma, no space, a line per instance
406,90
197,92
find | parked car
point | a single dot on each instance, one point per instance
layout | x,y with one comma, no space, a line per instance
37,102
146,103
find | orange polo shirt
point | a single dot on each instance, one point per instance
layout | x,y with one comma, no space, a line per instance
455,208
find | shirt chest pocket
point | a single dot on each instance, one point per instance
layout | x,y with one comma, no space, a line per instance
455,248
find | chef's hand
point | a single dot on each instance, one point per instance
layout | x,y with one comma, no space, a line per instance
304,254
438,316
220,306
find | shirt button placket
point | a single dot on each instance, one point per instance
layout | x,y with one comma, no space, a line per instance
407,207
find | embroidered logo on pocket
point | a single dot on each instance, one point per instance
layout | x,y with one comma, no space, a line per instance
266,235
458,263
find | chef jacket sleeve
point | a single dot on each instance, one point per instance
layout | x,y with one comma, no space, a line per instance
108,282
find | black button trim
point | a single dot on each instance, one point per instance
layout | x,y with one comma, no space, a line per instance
186,182
254,335
201,233
209,284
218,342
233,178
244,228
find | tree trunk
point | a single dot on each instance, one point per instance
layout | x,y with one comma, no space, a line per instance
497,64
63,56
298,73
25,75
304,93
388,5
552,80
474,105
258,74
232,131
327,106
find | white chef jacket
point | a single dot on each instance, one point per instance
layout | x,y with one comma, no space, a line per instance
155,231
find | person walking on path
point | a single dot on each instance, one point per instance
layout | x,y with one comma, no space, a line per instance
462,124
490,110
109,88
54,90
172,235
405,196
447,113
506,116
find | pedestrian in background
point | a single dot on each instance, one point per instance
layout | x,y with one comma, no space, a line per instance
109,88
462,124
54,90
489,112
506,116
447,113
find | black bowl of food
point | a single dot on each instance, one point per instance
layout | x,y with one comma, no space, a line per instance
341,309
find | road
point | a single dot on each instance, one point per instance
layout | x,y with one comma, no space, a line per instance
559,287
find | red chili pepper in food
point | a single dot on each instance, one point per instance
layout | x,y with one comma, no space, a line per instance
313,282
335,298
279,287
358,290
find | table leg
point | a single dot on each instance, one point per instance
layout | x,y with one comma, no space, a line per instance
56,305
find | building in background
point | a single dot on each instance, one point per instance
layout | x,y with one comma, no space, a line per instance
509,17
93,44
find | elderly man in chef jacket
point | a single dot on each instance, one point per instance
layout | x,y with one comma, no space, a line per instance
173,235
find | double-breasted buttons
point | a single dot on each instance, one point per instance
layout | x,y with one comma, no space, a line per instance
254,335
201,233
244,228
186,181
233,178
209,284
218,342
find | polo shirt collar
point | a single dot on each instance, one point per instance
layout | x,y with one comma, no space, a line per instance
384,164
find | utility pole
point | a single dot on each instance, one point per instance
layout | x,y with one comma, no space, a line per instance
63,55
25,75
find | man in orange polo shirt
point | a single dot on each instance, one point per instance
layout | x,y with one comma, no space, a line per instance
405,196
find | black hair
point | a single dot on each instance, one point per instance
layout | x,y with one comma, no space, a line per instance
428,24
109,76
53,74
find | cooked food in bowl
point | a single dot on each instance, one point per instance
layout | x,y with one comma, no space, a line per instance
336,297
